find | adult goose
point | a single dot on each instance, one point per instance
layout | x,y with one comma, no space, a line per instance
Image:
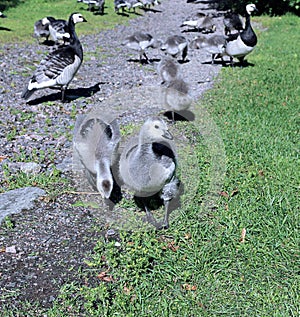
94,5
240,45
96,139
2,15
176,45
59,67
148,165
140,41
41,28
232,21
59,30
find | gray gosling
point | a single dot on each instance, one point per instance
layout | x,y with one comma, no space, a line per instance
59,67
168,69
176,97
148,165
140,41
202,24
96,139
175,46
214,45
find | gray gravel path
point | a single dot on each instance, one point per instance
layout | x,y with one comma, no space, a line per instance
56,235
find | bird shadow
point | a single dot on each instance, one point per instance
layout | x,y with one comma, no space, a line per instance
124,14
151,10
2,28
183,115
71,94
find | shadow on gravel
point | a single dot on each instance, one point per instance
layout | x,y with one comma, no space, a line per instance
151,10
71,94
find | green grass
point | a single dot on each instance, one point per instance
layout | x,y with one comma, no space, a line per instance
199,267
20,20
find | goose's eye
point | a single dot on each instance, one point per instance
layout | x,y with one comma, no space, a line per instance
156,127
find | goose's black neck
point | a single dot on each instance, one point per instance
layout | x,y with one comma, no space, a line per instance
248,36
73,35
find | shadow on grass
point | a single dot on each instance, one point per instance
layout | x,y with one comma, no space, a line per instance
2,28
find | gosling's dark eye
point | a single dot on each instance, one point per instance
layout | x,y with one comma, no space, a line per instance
156,126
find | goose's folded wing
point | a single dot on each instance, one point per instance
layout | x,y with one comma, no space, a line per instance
54,64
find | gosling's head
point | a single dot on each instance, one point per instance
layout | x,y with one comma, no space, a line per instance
154,129
251,8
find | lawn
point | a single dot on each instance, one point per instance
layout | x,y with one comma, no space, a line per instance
232,255
241,256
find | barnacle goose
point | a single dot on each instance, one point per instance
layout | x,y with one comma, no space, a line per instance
133,4
2,15
148,166
59,30
232,21
41,28
240,45
94,5
59,67
119,4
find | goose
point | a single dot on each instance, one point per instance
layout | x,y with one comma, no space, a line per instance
59,30
148,3
2,15
96,140
119,4
214,45
93,5
59,67
133,4
241,44
140,41
176,96
148,165
232,21
176,45
41,28
168,69
204,24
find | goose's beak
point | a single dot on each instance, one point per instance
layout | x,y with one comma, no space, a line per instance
167,135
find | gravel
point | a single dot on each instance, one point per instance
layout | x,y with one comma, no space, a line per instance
48,244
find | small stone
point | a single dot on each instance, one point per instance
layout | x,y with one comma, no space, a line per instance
11,249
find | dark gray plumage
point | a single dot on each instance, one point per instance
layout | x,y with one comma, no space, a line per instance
59,67
96,140
232,22
148,165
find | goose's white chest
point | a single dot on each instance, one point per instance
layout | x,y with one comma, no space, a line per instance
238,48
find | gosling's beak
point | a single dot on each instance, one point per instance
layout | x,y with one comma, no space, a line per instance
167,135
